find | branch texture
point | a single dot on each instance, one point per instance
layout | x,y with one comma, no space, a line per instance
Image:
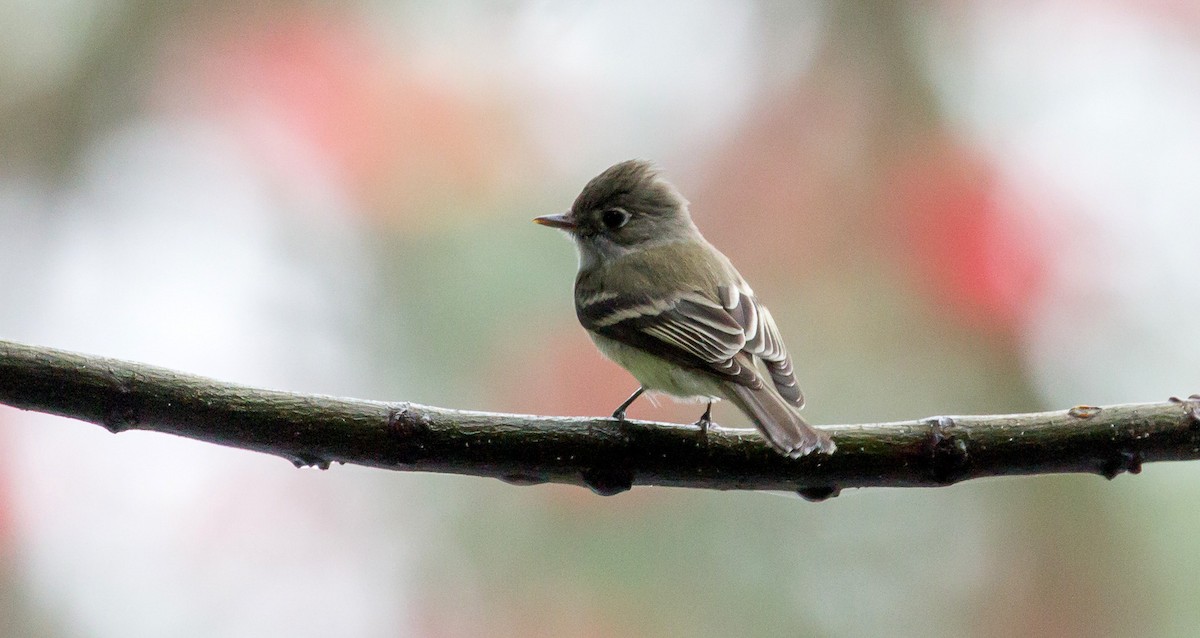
607,456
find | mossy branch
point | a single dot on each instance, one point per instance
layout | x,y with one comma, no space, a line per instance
607,456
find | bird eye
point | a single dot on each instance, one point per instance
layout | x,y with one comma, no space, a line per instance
614,218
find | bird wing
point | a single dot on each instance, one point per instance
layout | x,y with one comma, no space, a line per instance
718,336
762,339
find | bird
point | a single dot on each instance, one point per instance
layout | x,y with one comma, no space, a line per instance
659,300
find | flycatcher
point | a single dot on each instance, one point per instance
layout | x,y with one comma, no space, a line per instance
659,300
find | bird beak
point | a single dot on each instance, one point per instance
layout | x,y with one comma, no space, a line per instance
563,221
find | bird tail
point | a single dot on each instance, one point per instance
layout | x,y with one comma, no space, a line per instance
779,422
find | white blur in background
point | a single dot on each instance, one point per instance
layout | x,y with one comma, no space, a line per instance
308,198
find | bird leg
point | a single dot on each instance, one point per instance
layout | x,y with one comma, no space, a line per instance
620,413
705,420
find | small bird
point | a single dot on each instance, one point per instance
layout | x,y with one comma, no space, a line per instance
663,303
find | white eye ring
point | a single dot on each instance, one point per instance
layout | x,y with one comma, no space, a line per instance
614,218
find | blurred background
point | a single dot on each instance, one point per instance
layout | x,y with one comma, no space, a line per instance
951,207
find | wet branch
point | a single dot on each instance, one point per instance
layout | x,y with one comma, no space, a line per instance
607,456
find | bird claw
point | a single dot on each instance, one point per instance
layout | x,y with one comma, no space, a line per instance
620,413
705,421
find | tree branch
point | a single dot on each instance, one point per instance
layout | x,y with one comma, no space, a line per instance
607,456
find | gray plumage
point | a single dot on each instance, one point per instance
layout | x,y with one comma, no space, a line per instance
659,300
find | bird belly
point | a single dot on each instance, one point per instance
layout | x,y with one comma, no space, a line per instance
657,374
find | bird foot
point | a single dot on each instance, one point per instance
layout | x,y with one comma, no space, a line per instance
620,413
704,422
